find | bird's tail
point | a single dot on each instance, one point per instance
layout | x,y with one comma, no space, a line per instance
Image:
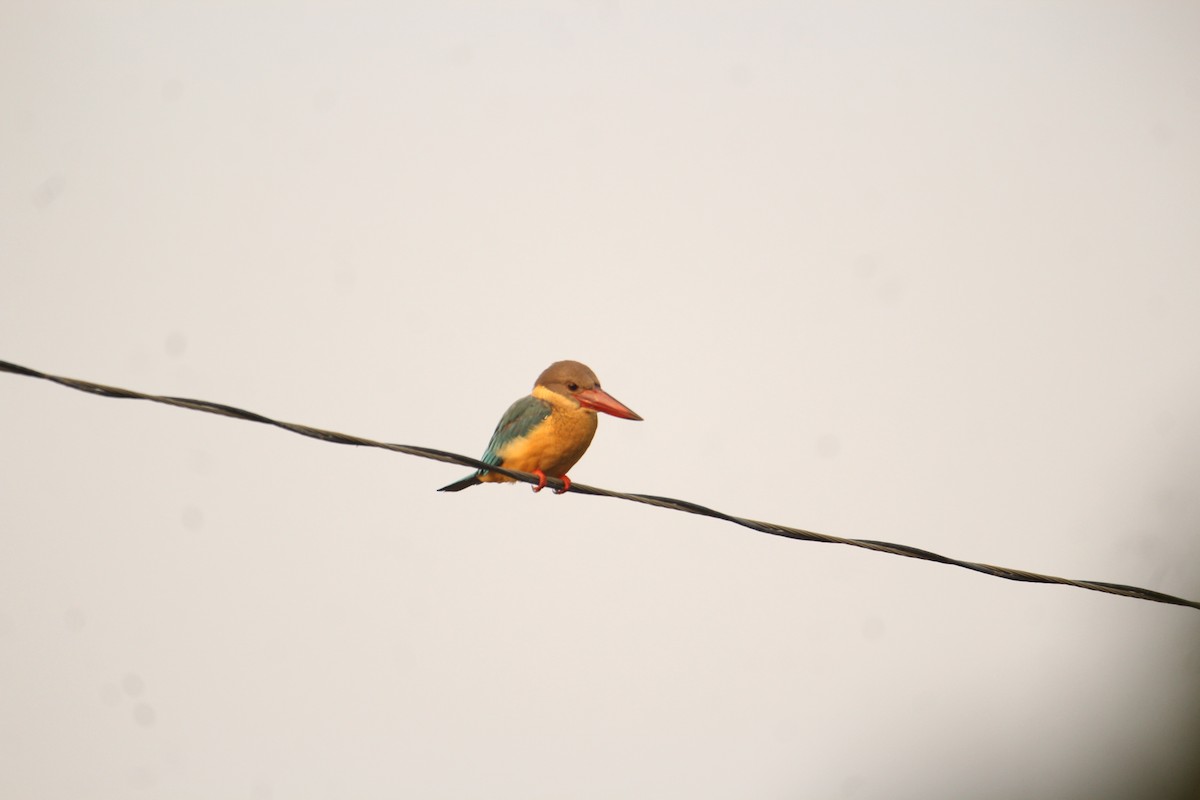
458,486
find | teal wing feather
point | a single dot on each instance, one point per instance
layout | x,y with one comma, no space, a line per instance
521,418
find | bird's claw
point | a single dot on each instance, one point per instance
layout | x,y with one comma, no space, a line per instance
541,476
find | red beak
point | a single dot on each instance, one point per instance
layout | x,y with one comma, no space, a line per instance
600,400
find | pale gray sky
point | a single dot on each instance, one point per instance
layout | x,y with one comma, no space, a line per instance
919,272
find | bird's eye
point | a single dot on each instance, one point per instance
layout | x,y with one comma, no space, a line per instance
574,387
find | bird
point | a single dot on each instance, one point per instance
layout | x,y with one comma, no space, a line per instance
548,431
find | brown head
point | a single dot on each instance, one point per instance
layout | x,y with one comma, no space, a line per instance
574,380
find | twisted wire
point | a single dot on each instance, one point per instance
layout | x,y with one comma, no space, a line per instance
579,488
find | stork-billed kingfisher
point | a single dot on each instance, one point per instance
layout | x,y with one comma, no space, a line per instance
549,430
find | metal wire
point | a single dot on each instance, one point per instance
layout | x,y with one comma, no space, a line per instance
579,488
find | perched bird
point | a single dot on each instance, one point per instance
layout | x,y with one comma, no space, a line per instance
549,430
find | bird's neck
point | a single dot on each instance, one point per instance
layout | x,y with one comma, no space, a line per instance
561,404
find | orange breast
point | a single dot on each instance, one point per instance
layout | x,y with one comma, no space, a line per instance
557,444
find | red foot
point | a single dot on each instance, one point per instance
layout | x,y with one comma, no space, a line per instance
542,482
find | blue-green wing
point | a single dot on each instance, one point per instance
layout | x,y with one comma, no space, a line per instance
521,417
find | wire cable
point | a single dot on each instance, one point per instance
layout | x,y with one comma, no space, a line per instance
579,488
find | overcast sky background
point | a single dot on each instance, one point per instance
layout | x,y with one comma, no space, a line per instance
919,272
